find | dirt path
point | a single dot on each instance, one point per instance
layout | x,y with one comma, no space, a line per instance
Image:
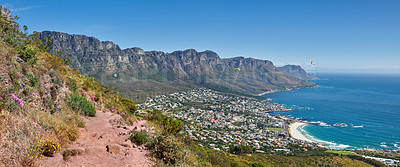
102,143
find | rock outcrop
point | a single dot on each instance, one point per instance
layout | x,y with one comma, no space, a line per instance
297,71
6,13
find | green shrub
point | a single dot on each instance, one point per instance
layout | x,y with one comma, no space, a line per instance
72,84
240,149
26,53
70,152
172,126
168,148
33,80
82,105
129,105
49,148
139,138
258,164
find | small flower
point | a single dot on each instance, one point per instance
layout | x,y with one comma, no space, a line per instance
123,113
21,103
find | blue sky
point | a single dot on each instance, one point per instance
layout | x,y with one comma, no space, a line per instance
340,35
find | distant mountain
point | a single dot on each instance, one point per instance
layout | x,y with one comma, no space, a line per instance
139,72
297,71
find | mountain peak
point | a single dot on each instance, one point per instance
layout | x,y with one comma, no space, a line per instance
297,71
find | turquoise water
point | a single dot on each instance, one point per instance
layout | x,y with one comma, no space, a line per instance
368,104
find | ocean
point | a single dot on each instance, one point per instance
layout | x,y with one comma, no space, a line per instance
368,104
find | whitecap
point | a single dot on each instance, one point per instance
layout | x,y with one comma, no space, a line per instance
329,144
360,126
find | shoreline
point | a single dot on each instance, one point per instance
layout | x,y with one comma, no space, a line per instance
296,134
274,91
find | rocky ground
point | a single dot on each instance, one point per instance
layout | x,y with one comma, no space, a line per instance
103,143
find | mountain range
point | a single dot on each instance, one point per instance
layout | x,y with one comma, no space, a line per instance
140,73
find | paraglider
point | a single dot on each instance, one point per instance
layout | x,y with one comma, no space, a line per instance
237,69
312,62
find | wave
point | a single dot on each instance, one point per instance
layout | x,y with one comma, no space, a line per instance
326,87
358,126
320,123
329,144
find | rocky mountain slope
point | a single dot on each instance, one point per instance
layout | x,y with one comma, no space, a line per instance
137,71
297,71
7,14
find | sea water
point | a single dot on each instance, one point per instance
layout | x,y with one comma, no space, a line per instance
368,104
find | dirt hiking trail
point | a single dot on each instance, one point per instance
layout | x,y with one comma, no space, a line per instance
102,143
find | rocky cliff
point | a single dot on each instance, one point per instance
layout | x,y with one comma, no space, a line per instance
297,71
137,71
7,14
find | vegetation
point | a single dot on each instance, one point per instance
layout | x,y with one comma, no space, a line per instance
42,99
70,152
240,149
169,125
341,152
139,137
82,105
129,105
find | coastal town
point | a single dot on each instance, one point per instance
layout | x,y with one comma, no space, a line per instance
218,120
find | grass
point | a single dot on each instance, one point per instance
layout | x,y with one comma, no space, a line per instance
281,129
341,152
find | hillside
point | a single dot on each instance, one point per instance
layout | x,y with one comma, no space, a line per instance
48,110
136,71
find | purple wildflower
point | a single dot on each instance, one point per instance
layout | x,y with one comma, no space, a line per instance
21,103
35,94
26,79
93,98
123,113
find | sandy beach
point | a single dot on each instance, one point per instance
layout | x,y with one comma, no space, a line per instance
295,133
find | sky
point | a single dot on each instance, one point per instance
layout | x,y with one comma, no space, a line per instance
344,36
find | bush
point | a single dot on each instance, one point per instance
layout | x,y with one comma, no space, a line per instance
26,53
70,152
129,105
240,149
49,148
46,147
258,164
168,149
33,81
172,126
139,138
80,104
